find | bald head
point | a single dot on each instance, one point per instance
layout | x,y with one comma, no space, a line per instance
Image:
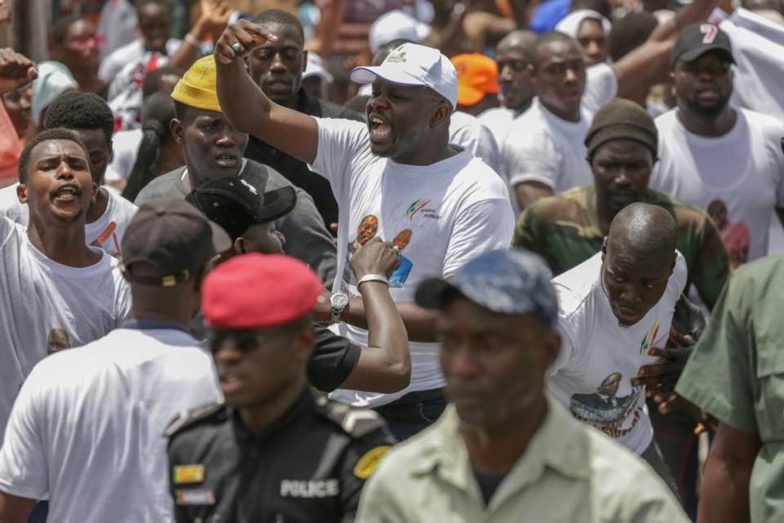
554,40
523,41
643,231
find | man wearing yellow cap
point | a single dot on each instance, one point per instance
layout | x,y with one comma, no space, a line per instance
214,148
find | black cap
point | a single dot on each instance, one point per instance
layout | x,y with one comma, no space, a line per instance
173,237
622,120
696,40
236,203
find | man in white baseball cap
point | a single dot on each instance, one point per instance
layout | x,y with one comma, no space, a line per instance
396,25
396,178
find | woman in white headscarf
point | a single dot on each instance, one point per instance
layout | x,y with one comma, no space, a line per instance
589,28
53,80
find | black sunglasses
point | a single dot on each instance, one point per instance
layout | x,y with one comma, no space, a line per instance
245,340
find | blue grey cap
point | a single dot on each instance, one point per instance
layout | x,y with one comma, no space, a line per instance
503,281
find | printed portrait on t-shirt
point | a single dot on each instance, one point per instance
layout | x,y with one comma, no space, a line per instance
58,340
614,416
736,236
367,230
108,240
401,241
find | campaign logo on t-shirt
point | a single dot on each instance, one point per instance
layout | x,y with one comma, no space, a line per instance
647,341
421,205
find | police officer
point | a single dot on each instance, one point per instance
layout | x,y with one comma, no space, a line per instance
272,452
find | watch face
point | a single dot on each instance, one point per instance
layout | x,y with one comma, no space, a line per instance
338,300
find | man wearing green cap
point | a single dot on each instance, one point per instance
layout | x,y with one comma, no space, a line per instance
214,148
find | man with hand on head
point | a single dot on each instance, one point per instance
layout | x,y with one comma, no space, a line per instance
214,148
99,412
270,451
398,172
505,451
51,280
385,364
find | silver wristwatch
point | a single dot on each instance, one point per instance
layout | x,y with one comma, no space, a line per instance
338,301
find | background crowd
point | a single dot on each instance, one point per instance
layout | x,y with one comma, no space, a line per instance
393,261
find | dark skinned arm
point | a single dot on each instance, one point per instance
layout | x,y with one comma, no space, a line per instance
725,490
649,63
420,323
248,109
385,364
528,192
16,70
14,509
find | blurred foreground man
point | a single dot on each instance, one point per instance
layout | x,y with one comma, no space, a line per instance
271,451
504,451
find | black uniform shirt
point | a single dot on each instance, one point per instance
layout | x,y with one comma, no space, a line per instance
308,466
333,359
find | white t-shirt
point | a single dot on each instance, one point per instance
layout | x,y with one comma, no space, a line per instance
106,232
125,146
498,120
444,214
46,306
87,430
744,170
758,50
541,147
467,132
129,54
599,356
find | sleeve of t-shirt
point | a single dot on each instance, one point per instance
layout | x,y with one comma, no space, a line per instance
484,226
531,159
719,374
6,230
122,303
23,468
332,361
339,141
568,329
601,86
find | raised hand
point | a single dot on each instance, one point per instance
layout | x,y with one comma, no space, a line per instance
239,39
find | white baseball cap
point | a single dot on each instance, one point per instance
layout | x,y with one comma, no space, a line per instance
315,67
414,65
396,25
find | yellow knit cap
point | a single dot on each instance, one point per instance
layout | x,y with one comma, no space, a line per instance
197,88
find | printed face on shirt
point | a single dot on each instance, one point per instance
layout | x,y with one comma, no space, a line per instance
621,171
155,25
704,86
212,147
81,50
256,366
559,76
401,120
99,149
594,41
59,184
514,77
277,67
494,364
634,285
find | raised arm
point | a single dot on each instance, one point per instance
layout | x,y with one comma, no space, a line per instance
247,108
649,63
16,70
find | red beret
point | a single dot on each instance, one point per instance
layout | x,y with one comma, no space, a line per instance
254,291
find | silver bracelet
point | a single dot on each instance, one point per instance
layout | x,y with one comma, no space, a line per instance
373,277
189,38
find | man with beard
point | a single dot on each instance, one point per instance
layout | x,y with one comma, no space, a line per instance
400,169
622,145
710,151
213,148
278,71
505,451
615,311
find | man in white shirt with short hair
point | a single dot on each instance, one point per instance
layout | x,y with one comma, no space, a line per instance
396,178
727,161
87,429
615,311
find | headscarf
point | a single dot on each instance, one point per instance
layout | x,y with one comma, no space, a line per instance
570,25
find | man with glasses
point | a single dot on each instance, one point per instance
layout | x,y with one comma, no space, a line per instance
271,451
728,161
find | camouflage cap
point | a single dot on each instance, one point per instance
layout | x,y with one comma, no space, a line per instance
504,281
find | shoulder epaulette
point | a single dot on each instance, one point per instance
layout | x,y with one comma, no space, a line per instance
356,422
192,416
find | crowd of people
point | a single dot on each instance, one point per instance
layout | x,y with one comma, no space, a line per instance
507,264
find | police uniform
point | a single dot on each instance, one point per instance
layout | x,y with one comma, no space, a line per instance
308,466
